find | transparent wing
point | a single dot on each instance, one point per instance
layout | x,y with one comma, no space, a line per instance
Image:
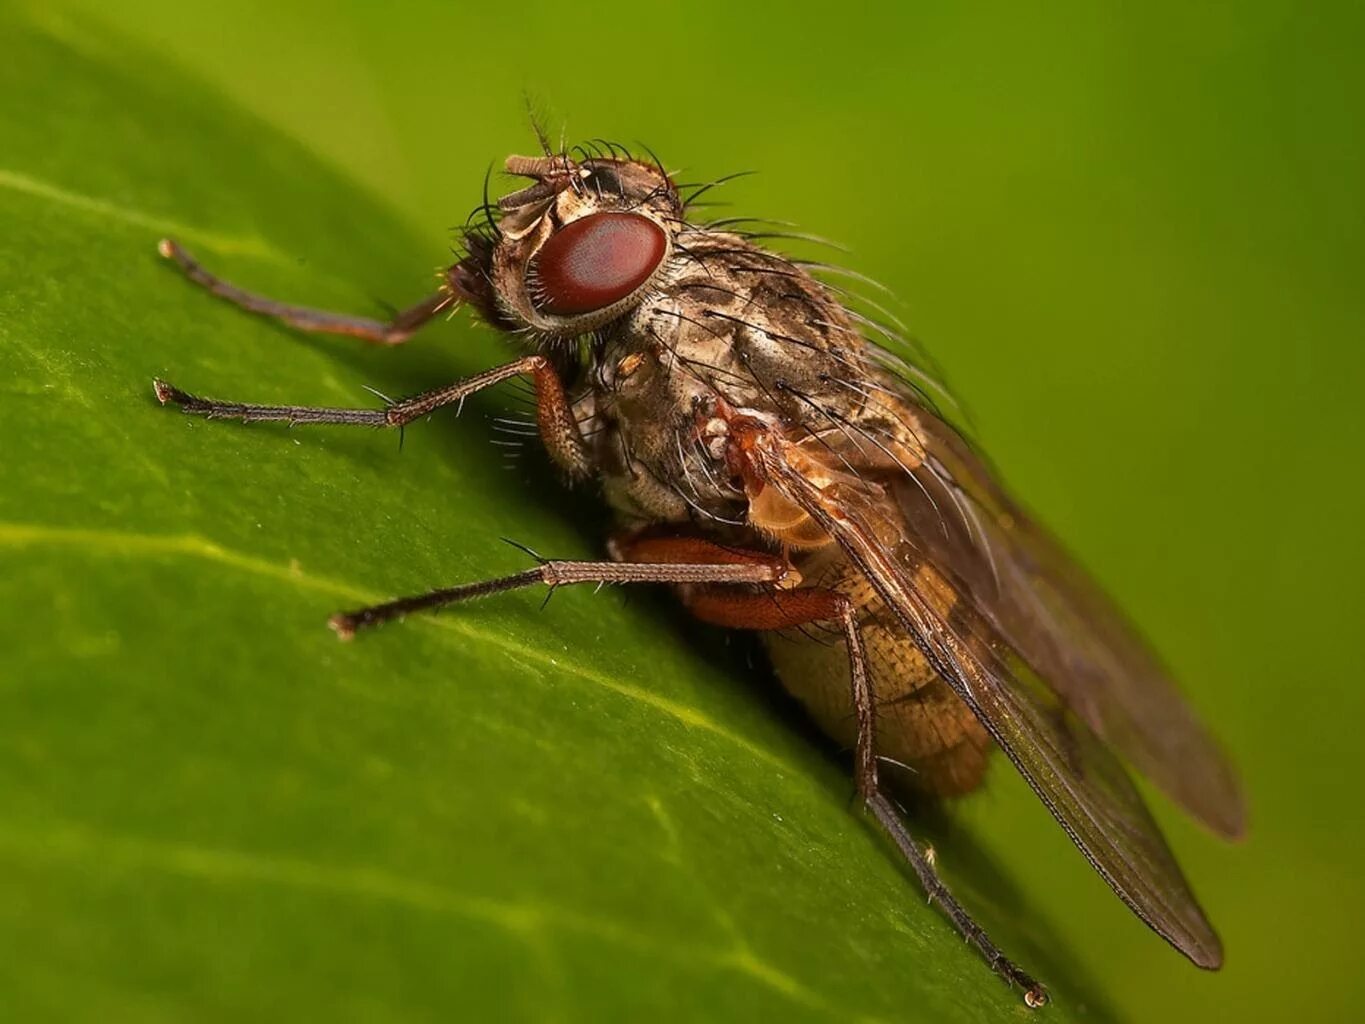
1051,743
1038,601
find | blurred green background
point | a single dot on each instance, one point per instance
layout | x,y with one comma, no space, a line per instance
1134,237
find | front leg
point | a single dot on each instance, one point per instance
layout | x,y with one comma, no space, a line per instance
558,428
394,332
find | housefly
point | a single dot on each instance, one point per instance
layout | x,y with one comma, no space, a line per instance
763,451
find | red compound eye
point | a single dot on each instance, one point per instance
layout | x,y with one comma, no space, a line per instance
597,261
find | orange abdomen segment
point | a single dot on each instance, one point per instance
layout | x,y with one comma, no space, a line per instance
921,722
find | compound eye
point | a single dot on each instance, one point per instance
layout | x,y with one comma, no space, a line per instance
596,261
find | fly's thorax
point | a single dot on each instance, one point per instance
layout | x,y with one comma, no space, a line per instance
737,332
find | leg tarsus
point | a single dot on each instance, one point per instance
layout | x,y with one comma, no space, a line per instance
210,408
169,393
937,891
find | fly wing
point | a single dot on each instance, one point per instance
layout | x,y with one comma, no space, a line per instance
1044,607
1070,768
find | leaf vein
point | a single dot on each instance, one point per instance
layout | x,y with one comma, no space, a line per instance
76,844
123,543
242,245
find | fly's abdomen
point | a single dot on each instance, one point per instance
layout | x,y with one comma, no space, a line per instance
921,722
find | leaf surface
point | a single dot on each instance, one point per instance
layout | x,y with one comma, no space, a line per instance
213,810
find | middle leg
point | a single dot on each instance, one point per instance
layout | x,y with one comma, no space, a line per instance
558,428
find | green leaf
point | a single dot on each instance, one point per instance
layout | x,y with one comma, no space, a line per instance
213,810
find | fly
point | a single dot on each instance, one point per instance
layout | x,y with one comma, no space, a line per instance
762,453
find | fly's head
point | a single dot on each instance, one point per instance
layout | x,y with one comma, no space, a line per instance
583,244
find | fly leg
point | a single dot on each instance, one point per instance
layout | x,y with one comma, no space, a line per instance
558,428
692,568
885,811
787,609
705,573
394,332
